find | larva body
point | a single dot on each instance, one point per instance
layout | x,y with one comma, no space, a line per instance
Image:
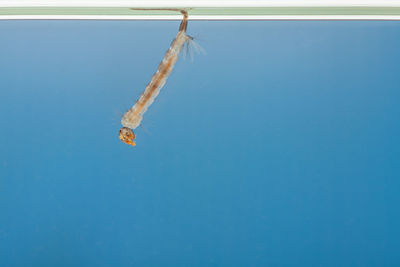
133,117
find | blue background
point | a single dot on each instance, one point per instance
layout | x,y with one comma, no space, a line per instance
279,147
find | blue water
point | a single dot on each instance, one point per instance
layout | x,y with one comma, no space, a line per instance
280,147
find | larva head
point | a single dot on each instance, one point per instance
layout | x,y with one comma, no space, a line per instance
127,136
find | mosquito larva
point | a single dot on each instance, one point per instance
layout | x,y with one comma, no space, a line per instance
132,118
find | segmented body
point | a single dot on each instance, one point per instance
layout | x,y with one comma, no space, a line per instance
134,115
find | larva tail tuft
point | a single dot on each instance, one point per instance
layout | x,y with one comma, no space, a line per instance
190,46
